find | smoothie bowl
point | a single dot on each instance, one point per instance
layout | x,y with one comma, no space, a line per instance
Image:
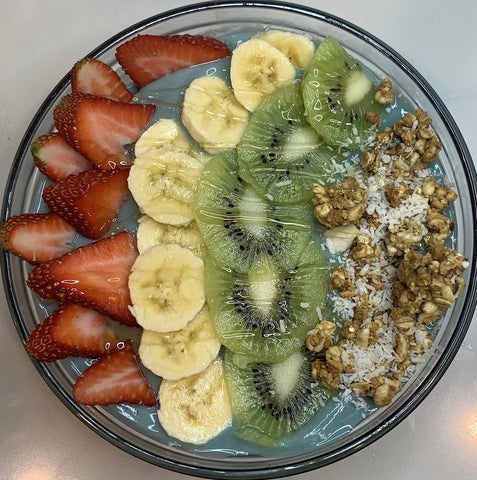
299,273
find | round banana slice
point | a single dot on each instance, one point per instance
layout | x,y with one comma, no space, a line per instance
163,182
176,355
163,132
196,408
166,132
212,115
151,233
298,48
166,284
256,69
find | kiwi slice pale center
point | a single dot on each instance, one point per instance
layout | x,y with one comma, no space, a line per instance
253,212
357,86
285,375
299,142
263,285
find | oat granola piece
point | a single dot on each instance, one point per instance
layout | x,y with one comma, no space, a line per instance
424,287
370,277
402,320
372,219
362,309
453,263
340,204
349,328
363,251
338,359
439,228
430,312
440,197
342,281
384,93
404,237
419,143
409,300
420,341
402,346
400,369
322,337
396,192
321,370
362,337
384,390
368,334
371,160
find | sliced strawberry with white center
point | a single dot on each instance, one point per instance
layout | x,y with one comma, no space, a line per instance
37,237
90,201
56,159
95,77
100,128
115,378
72,330
94,276
146,58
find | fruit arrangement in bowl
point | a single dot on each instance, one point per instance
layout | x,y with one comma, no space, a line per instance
238,242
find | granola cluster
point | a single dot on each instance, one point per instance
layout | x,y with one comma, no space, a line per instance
340,204
398,276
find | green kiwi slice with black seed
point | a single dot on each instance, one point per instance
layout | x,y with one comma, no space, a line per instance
270,402
241,228
265,313
337,94
280,153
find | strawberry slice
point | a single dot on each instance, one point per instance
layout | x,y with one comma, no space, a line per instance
100,128
37,237
114,378
146,58
71,331
56,159
93,76
94,276
90,201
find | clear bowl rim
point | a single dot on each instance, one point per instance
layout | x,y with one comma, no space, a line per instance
355,444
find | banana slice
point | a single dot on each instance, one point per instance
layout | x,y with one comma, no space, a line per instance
256,69
212,115
166,284
164,132
163,182
197,408
298,48
180,354
151,233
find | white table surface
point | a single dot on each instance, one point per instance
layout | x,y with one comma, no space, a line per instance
39,438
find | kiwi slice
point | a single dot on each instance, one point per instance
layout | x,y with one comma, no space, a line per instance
279,152
265,313
337,94
241,228
270,402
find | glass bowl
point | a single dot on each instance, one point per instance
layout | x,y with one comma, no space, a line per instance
341,428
